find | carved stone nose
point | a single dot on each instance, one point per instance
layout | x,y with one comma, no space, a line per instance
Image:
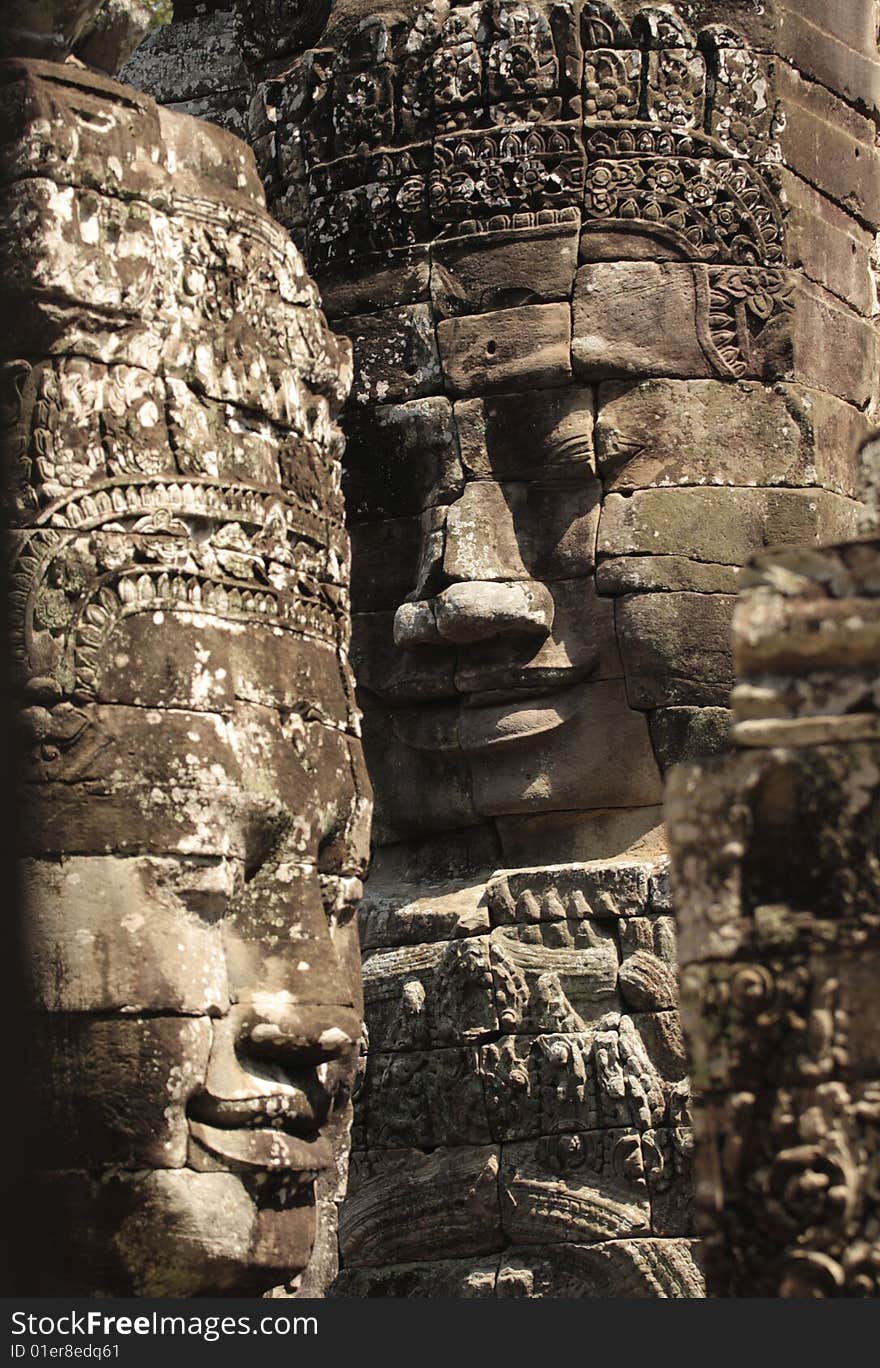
475,611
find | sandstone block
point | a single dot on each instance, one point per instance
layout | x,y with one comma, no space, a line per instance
765,801
398,676
395,354
400,458
651,574
227,111
113,35
404,915
654,935
795,347
829,144
580,644
419,788
676,649
381,281
507,349
679,734
108,934
386,556
670,432
523,530
553,976
646,983
852,26
475,611
591,835
636,318
171,1232
721,526
539,1085
569,892
848,66
807,731
402,1202
45,30
422,995
600,722
544,435
531,266
663,1038
163,64
423,1100
829,245
578,1188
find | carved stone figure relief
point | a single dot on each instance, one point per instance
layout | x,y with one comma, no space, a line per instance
197,810
778,911
589,257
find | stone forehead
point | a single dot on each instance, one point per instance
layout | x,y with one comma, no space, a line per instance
446,122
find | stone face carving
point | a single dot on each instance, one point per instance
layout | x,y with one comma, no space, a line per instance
589,257
196,806
778,917
517,214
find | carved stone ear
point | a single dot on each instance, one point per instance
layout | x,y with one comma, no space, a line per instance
602,27
13,375
655,27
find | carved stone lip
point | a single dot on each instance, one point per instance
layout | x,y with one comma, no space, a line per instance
264,1149
291,1110
476,727
544,683
505,724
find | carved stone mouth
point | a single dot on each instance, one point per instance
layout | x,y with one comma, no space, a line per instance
291,1111
478,724
545,683
263,1149
505,723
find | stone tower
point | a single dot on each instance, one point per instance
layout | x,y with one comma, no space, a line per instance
196,809
590,257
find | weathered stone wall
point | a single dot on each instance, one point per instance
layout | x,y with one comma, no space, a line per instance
590,258
195,66
776,879
196,809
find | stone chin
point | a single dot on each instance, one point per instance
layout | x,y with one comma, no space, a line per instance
192,1234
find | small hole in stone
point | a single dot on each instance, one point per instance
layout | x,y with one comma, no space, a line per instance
491,348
